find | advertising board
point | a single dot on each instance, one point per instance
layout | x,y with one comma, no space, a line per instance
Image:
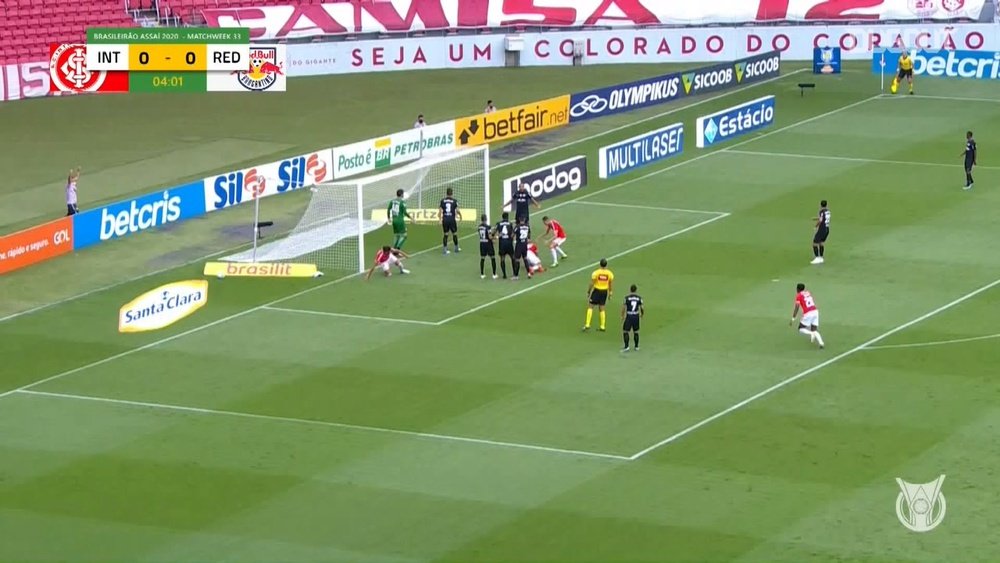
396,148
511,123
233,188
642,150
36,244
550,181
734,122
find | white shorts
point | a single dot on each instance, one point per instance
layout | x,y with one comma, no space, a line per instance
533,259
558,241
392,261
810,319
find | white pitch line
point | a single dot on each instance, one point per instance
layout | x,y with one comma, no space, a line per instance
854,159
327,424
811,370
505,164
957,99
649,207
934,343
426,250
349,316
580,269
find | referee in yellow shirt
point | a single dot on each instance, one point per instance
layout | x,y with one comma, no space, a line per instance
905,72
601,287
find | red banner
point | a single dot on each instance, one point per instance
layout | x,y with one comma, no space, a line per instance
398,16
36,244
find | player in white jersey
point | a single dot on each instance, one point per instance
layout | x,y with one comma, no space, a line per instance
71,198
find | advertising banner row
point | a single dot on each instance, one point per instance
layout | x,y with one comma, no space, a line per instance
977,65
623,46
121,219
403,16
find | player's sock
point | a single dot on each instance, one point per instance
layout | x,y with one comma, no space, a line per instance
819,339
816,250
603,316
555,257
494,262
625,338
635,340
444,242
482,267
911,87
561,251
822,250
503,267
516,267
590,317
805,331
968,178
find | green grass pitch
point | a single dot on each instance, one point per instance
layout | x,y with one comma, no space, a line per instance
440,417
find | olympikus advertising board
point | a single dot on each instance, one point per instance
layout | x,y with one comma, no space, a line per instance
669,87
234,188
947,64
397,148
401,16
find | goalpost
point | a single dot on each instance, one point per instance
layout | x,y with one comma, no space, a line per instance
331,231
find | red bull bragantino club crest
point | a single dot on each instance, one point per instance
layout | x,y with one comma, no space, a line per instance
265,73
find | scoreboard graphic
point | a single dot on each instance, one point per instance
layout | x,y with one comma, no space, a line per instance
167,60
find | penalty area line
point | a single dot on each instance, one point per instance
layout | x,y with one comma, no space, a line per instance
327,424
785,382
649,207
348,316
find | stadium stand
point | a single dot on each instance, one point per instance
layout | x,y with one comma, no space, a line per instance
189,11
27,27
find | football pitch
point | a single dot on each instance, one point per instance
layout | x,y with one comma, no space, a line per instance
441,417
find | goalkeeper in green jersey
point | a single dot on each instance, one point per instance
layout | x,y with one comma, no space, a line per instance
396,213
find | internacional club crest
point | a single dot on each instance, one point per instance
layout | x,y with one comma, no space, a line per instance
69,72
921,507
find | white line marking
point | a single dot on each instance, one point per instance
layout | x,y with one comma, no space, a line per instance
340,425
349,316
934,343
434,248
580,269
498,166
955,98
853,159
649,207
811,370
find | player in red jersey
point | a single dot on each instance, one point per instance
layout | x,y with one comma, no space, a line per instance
385,259
809,323
556,239
534,262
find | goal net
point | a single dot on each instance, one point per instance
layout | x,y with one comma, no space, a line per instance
331,231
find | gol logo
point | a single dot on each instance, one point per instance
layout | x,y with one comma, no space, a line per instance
61,237
316,167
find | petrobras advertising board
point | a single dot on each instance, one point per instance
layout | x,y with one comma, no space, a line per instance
234,188
136,215
640,151
977,65
551,181
396,148
669,87
735,122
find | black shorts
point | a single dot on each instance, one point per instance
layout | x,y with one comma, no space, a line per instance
506,249
821,234
521,250
449,225
631,323
905,74
71,209
486,249
598,296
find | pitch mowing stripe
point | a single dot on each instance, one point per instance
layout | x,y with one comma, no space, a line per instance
349,316
32,310
810,371
327,424
434,248
854,159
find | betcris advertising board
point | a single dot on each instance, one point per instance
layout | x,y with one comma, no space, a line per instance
640,151
125,218
977,65
734,122
670,87
234,188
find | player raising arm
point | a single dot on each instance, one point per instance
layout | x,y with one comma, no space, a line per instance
809,324
521,200
396,213
556,238
385,259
